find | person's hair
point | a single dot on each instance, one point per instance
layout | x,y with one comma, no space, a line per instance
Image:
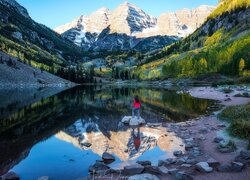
137,99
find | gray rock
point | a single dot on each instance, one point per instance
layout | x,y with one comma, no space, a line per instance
191,161
181,161
152,170
144,163
226,146
221,125
178,153
237,166
186,165
98,167
163,170
143,177
173,171
189,146
244,158
218,139
203,131
10,176
43,178
86,144
224,168
212,162
183,176
108,158
203,167
133,169
161,163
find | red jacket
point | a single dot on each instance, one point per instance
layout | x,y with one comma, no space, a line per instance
137,104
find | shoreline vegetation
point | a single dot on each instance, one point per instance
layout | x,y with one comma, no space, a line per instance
239,120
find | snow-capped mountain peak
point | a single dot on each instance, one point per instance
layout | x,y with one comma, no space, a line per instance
127,25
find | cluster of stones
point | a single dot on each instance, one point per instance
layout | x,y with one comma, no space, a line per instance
181,166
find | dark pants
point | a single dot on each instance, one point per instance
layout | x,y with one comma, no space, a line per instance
136,110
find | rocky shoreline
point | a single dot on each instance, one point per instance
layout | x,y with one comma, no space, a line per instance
209,151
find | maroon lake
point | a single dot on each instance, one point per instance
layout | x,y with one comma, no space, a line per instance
49,135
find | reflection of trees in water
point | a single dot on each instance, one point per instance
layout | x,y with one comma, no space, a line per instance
44,118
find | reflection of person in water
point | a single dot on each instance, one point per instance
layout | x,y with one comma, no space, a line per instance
136,107
136,138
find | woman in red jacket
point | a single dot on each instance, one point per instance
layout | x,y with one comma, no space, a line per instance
136,107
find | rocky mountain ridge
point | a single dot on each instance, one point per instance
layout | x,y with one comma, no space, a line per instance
131,24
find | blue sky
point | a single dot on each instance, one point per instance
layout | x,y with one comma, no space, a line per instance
57,12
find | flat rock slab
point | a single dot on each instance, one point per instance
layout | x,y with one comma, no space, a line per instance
133,169
143,177
133,121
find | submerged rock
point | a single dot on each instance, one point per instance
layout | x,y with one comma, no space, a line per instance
10,176
108,158
143,177
98,168
43,178
203,167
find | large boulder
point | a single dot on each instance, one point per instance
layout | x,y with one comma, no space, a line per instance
133,121
203,167
133,169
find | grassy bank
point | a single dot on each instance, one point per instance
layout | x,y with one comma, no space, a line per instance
239,118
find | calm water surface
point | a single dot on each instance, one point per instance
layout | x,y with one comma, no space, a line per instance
46,137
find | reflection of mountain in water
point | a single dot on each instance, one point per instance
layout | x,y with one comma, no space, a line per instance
21,129
121,142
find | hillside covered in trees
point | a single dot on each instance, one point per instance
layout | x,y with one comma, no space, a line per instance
221,45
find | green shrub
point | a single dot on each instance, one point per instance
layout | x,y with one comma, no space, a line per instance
239,118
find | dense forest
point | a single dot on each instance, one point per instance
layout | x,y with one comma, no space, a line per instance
221,45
